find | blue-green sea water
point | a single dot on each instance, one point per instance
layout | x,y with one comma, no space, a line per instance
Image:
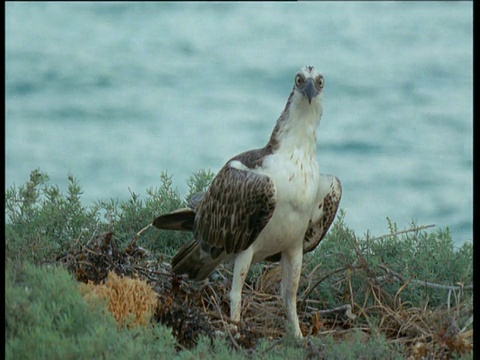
116,93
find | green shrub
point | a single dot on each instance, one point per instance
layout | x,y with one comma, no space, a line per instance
415,254
47,318
42,222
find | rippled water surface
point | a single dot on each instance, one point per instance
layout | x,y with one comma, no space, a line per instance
115,93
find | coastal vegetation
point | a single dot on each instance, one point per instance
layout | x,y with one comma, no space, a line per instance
85,282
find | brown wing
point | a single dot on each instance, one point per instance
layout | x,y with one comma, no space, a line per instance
328,196
235,209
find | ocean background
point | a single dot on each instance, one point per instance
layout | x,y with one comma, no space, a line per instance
116,93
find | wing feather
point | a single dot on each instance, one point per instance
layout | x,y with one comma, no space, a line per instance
235,209
329,196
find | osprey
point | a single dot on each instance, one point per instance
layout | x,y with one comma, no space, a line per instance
264,204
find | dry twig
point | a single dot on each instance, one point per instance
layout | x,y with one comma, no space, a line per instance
191,309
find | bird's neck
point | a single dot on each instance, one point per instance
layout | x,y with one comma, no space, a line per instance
297,127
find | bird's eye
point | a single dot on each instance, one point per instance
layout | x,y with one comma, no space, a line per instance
299,80
320,82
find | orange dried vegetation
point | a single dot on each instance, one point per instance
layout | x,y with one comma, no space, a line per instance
131,301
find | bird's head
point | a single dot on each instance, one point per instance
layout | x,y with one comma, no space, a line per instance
309,84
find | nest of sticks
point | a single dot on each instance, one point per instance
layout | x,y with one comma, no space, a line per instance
192,309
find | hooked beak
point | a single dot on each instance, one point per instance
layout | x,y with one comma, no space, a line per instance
309,90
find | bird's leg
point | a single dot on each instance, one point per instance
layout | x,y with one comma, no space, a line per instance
242,265
291,262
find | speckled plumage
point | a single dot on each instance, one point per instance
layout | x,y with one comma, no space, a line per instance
264,204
